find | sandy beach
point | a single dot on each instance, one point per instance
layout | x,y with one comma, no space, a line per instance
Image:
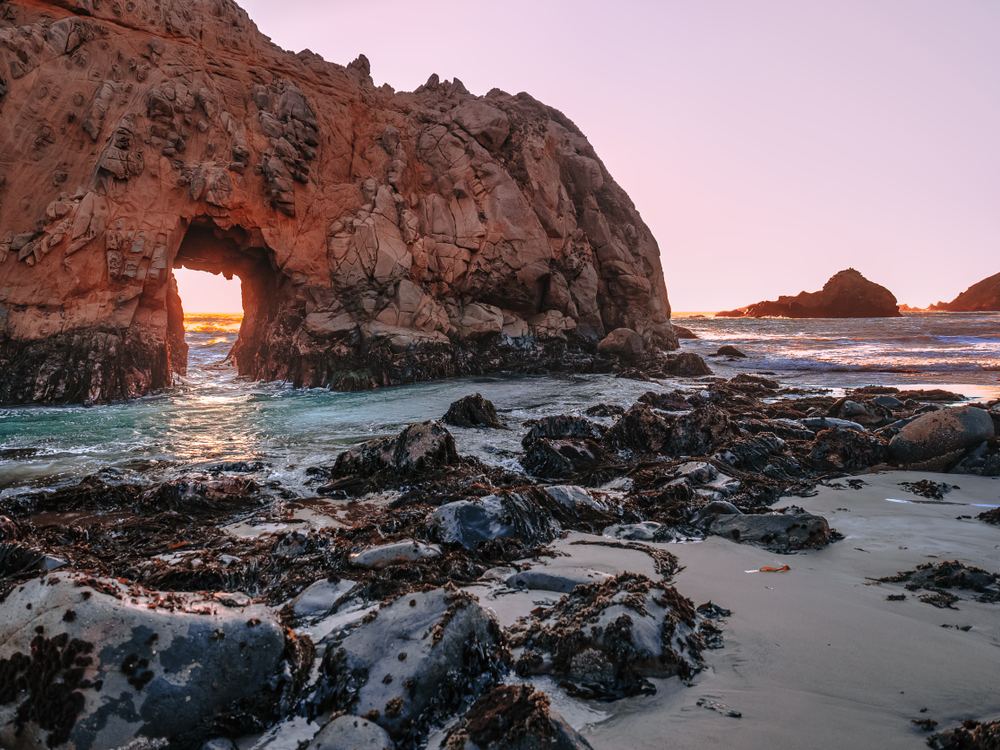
816,656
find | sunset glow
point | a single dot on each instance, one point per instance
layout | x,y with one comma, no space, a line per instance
203,292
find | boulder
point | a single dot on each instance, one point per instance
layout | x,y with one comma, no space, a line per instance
469,522
941,432
419,449
983,460
396,553
784,531
351,733
410,662
684,333
622,342
321,598
817,424
566,458
562,426
729,351
848,450
473,411
604,639
101,663
514,717
560,580
685,365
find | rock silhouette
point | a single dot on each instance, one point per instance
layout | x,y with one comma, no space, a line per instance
847,294
381,237
980,297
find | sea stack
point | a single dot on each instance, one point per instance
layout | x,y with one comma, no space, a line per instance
381,237
983,296
847,294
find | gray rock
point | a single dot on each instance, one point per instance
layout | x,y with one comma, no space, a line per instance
321,598
853,409
785,531
469,522
706,480
560,580
941,432
393,554
420,448
160,668
570,495
981,461
412,661
890,402
828,423
351,733
220,743
639,532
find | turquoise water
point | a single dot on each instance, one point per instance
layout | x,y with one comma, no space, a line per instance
212,415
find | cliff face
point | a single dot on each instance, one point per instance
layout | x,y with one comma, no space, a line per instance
380,237
980,297
847,294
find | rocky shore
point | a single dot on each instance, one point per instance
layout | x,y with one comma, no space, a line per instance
423,596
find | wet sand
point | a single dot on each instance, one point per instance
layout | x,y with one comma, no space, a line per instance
816,657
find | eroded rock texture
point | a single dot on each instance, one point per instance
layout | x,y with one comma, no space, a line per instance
381,237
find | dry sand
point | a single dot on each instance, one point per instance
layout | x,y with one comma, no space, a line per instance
816,657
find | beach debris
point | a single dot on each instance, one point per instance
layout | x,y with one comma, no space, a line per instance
895,597
721,708
769,569
560,580
396,553
972,735
926,724
515,717
928,488
439,647
473,411
604,639
934,394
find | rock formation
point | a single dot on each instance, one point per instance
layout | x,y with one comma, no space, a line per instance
980,297
847,294
381,237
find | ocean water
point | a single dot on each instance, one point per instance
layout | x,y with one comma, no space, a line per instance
955,351
213,415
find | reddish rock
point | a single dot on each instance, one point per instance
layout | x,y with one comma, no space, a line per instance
381,237
847,294
980,297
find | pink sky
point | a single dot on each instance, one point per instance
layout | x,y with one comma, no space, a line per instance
767,144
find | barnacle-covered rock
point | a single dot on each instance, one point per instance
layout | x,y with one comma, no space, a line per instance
605,639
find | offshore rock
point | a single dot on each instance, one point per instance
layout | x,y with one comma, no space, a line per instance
104,663
381,237
847,294
980,297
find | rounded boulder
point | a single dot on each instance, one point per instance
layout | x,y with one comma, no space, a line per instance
940,432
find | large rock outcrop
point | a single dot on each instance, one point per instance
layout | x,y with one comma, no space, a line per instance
365,224
847,294
980,297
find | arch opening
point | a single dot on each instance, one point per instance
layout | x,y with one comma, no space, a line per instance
231,253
